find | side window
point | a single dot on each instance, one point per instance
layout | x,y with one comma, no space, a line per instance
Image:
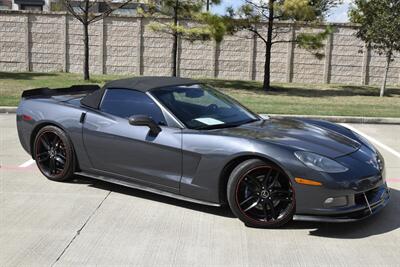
125,103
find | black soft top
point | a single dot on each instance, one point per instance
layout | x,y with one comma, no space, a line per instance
143,84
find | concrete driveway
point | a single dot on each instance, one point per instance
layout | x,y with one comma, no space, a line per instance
86,222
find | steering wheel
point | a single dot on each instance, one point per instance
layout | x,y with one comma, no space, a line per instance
212,108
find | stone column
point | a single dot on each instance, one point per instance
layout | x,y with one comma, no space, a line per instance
139,55
27,44
290,54
102,47
217,47
64,38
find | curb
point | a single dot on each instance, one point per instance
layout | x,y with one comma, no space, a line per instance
337,119
341,119
8,109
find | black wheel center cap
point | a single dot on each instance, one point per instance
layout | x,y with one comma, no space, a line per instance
264,194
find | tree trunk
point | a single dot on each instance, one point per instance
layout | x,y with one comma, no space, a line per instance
175,55
268,47
383,87
175,42
86,53
267,68
208,5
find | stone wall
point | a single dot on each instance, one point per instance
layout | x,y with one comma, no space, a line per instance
47,42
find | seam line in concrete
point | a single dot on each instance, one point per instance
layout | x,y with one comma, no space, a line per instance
80,229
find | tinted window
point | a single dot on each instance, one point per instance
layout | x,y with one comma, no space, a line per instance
125,103
201,107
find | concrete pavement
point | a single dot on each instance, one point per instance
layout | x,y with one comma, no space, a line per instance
87,222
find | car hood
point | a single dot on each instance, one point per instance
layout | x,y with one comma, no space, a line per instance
298,135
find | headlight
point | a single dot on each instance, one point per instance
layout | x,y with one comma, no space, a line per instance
319,163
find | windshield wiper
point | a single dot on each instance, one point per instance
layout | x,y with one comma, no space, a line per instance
227,125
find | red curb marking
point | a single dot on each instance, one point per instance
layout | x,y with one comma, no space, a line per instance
16,168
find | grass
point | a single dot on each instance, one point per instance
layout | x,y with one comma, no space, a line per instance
302,99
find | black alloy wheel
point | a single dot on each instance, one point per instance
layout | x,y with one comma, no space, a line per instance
53,154
263,195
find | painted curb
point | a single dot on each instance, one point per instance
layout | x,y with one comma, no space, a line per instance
337,119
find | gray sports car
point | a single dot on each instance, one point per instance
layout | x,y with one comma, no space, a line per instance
181,138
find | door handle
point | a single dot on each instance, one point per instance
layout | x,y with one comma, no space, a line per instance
83,116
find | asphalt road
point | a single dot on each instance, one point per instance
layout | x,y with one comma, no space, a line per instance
86,222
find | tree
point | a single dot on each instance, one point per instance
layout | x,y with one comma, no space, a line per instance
379,28
83,11
203,26
209,3
253,14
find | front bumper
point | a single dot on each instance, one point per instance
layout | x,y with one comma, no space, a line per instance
368,204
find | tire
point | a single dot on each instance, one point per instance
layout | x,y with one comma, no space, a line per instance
54,154
260,194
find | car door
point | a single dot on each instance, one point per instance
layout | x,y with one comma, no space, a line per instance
130,152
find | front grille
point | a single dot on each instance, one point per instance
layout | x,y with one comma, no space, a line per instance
359,198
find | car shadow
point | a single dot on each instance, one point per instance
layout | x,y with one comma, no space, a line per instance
223,211
23,75
385,221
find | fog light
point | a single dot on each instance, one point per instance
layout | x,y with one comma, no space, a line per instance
335,201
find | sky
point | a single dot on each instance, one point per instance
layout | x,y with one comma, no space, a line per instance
338,14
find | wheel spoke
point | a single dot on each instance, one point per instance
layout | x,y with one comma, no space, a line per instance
252,183
265,210
252,205
267,178
247,199
45,153
60,155
281,192
45,142
52,166
272,208
44,159
273,182
55,141
59,160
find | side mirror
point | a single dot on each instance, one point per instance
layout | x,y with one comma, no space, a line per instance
143,120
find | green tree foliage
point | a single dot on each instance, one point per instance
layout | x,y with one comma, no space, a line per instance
188,22
379,28
255,13
84,12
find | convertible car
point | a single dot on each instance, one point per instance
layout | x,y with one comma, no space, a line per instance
183,139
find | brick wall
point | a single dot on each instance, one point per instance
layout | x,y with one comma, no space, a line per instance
43,42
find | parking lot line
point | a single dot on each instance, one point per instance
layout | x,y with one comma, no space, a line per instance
27,163
373,140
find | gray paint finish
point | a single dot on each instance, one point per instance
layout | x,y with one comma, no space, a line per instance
191,163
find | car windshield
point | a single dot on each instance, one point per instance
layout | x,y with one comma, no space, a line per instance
201,107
